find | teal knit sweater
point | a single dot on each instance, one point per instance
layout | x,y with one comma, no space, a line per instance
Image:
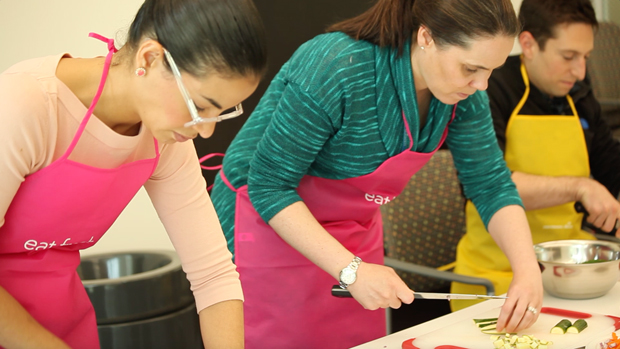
335,111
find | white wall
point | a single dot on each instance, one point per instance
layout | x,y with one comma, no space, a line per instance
516,49
34,28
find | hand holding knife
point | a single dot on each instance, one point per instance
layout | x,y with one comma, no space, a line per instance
339,292
581,209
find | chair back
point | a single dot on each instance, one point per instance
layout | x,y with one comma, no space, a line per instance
604,72
425,222
604,62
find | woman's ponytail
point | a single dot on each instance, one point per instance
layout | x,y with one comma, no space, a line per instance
387,23
450,22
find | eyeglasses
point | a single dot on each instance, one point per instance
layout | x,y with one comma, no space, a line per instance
196,119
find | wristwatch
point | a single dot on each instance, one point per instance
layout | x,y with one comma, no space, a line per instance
348,275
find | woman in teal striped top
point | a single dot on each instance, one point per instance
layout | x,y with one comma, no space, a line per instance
344,104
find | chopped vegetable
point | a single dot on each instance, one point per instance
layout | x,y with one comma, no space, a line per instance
485,320
561,327
595,261
577,326
613,343
516,342
495,333
488,326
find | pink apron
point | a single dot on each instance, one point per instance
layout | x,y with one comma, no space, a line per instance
57,211
288,301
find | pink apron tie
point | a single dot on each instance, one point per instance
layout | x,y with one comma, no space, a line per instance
288,302
57,211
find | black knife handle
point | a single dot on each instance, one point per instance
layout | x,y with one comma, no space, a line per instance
337,291
581,209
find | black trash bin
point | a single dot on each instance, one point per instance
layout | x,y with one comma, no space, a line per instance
142,300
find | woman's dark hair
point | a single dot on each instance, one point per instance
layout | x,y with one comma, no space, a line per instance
541,17
204,36
450,22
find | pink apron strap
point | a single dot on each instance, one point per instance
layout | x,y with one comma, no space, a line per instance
104,76
225,180
453,113
207,157
445,132
443,137
408,131
216,167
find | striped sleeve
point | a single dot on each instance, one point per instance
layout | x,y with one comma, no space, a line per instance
297,132
478,158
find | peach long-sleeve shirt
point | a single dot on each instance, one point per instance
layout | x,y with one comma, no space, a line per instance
39,117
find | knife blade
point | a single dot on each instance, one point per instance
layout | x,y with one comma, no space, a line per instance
337,291
448,296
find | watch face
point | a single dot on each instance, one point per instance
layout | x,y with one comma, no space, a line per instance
348,276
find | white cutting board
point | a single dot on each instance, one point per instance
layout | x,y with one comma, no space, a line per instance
466,335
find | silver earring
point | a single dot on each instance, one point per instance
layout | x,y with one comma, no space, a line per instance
140,71
421,47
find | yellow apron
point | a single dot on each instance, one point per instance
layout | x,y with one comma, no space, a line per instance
547,145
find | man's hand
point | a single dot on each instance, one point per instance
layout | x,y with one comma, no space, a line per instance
603,208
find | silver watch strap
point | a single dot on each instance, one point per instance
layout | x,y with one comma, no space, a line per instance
355,263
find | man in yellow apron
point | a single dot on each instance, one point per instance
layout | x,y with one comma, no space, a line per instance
555,142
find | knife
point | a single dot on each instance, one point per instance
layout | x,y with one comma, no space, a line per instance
339,292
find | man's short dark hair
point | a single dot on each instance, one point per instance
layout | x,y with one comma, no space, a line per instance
541,17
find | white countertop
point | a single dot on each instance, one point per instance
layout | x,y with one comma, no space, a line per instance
608,304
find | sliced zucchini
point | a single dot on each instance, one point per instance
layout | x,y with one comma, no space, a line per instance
561,327
485,320
493,332
488,327
577,326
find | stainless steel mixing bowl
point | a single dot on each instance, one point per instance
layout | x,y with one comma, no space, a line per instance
578,269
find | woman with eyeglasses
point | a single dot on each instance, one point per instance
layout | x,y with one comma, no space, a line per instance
79,137
340,131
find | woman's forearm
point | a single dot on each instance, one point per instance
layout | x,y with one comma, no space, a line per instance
511,232
298,227
221,325
19,330
377,286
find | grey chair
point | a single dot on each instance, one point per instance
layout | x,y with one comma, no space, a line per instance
423,225
604,72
